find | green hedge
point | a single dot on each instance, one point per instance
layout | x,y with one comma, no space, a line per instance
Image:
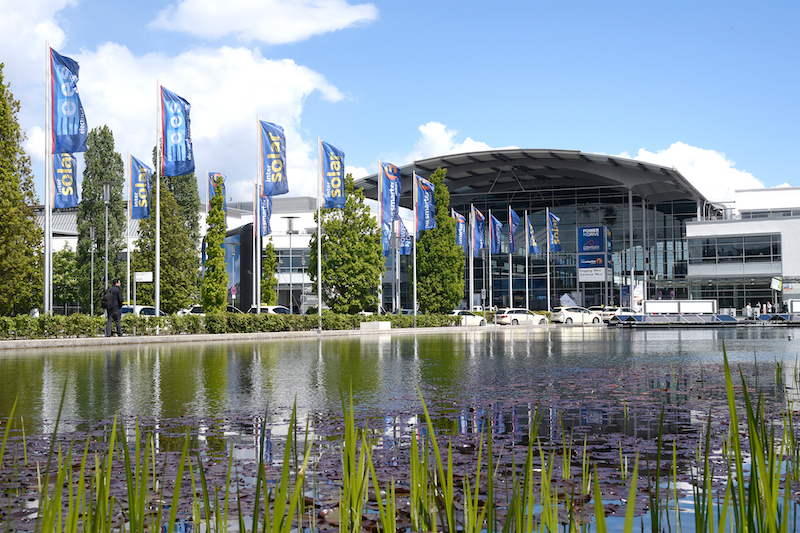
78,325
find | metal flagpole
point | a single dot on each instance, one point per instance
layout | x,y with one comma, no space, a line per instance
527,259
471,257
257,223
414,232
48,158
380,225
491,232
510,261
159,158
396,235
319,235
128,232
547,217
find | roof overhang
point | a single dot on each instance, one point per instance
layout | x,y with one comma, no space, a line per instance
531,179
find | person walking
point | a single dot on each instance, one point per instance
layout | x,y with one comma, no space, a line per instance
114,309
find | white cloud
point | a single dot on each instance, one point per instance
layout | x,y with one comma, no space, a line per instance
437,140
270,21
710,172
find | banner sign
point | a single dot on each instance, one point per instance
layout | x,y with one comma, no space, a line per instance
140,189
591,260
264,215
405,239
552,227
426,205
273,160
592,239
216,184
65,192
332,177
461,230
67,118
479,224
390,202
513,224
533,246
495,230
176,135
386,238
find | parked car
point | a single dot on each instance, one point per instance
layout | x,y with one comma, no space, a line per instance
519,315
270,310
620,312
581,315
140,310
198,310
468,318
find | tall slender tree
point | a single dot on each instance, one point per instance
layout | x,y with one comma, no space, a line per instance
102,164
214,288
65,276
269,281
440,260
352,256
21,254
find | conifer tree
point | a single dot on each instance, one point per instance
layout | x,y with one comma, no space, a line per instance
21,238
214,288
269,280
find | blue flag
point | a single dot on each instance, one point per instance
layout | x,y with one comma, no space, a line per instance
390,200
478,227
552,227
65,192
533,247
426,205
386,238
67,118
461,230
513,224
140,189
216,185
495,230
273,160
176,135
332,176
264,215
405,239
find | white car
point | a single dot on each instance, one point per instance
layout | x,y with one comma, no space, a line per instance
468,318
518,315
580,315
140,310
271,310
621,312
197,310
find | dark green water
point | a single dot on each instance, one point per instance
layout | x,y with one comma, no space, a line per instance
455,372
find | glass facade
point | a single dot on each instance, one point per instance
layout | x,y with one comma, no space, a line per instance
735,249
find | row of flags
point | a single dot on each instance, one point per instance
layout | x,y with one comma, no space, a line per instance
389,207
477,228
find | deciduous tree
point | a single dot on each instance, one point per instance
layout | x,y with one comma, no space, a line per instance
269,280
65,276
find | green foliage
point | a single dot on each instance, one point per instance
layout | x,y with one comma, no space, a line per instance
65,276
102,163
184,189
179,260
21,254
269,279
440,260
352,256
214,288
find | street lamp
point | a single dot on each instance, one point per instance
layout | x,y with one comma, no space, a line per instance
106,199
290,231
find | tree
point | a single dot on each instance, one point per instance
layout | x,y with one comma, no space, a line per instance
184,188
269,281
352,256
178,273
440,260
214,288
102,164
21,238
65,276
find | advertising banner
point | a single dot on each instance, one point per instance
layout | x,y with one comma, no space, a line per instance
67,117
65,192
176,135
592,239
273,160
140,189
332,177
390,203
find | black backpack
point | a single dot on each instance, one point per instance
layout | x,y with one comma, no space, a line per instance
105,302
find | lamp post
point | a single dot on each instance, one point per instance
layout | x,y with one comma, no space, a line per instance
91,276
291,259
106,199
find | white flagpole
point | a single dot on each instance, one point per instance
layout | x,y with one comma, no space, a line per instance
549,233
414,237
159,159
319,234
510,261
471,258
380,225
47,304
491,232
527,258
256,251
128,226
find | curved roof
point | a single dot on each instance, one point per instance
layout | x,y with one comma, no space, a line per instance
530,179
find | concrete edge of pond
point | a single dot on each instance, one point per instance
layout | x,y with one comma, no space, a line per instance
69,342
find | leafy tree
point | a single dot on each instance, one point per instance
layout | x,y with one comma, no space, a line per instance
269,281
65,276
352,256
440,260
214,288
184,188
178,275
21,254
102,163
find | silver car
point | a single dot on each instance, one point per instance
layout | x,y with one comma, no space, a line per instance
518,315
468,318
580,315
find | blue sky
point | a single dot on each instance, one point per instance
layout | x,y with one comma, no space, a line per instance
710,87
